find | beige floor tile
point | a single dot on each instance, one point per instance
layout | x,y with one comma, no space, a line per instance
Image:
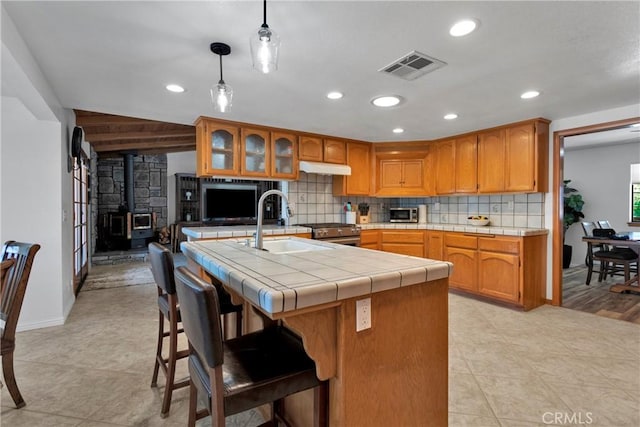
608,407
562,369
622,373
28,418
525,399
464,420
466,397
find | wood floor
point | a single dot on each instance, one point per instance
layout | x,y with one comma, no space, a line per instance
596,298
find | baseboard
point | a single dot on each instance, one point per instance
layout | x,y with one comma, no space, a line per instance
39,325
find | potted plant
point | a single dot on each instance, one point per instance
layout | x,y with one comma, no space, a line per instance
573,204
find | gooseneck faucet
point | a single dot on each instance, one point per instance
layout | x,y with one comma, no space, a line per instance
260,214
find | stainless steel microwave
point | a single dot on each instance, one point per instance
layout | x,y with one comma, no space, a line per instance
403,214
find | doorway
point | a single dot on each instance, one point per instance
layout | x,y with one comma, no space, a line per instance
558,177
80,224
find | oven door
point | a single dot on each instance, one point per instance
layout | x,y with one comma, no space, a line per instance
349,241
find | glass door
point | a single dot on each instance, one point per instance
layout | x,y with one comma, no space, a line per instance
80,227
255,152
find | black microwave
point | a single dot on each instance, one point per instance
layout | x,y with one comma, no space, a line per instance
403,214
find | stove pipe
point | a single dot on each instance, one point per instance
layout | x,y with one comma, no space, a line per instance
129,196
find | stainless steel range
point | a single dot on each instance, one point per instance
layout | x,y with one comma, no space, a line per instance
344,234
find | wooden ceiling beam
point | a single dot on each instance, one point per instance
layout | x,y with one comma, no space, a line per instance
184,146
120,136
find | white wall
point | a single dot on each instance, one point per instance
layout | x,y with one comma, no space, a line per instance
601,174
557,125
36,188
177,163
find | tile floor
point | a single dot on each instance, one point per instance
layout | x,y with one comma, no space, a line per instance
550,366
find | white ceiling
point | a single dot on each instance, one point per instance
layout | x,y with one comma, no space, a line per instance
116,57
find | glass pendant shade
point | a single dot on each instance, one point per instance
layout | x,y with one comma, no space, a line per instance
265,44
221,97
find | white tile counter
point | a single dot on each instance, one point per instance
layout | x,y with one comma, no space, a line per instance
285,282
462,228
228,231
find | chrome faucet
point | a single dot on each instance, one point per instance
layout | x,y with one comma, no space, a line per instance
260,203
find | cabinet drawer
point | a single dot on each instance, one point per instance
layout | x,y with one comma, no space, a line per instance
509,246
368,238
404,249
460,241
402,237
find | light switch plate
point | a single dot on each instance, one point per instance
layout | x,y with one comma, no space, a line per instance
363,314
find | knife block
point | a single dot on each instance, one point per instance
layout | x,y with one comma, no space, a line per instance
362,219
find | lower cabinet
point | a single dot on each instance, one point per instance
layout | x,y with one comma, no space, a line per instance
434,241
405,242
370,239
508,269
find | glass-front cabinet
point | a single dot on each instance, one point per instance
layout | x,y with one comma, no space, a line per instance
217,149
284,155
255,150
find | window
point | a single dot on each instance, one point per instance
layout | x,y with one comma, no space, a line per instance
635,192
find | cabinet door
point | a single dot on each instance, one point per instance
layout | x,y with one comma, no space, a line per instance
218,149
390,174
335,151
310,149
283,155
256,150
498,276
445,167
413,176
359,159
369,239
465,268
466,164
435,245
520,158
491,158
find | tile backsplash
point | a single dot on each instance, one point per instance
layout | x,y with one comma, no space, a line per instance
315,202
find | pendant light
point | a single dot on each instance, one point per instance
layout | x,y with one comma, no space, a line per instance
222,93
264,47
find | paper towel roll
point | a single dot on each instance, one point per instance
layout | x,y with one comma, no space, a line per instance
422,214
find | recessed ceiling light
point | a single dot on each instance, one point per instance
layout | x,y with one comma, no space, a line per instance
462,28
451,116
530,94
386,101
398,130
174,88
335,95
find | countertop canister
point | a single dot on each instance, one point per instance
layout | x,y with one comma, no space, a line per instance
422,214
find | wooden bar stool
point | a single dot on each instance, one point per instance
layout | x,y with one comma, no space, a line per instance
163,274
242,373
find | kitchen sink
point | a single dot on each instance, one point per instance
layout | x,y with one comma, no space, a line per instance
287,246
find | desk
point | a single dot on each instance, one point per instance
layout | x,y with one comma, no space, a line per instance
634,244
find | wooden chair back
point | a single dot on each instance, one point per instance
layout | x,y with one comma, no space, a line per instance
15,283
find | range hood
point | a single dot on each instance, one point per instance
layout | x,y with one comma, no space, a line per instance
324,168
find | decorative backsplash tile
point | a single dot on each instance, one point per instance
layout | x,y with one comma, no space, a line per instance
315,202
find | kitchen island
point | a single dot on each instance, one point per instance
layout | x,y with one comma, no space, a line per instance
393,373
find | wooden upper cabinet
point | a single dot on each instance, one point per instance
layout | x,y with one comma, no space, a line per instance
359,182
491,158
401,174
217,149
445,167
514,158
310,149
466,158
284,155
335,151
457,165
520,165
255,152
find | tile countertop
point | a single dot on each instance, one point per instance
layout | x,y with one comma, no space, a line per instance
222,232
462,228
284,282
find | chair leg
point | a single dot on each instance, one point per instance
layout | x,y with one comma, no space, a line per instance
156,367
10,379
171,368
193,403
627,271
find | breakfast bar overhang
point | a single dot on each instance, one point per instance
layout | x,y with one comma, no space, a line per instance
393,373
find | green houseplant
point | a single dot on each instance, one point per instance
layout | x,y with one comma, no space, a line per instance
572,213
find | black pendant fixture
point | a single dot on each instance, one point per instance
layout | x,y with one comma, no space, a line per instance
222,93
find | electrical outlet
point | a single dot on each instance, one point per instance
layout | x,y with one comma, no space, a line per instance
495,208
510,205
436,206
363,314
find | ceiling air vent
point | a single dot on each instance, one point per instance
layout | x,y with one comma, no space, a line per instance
412,65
